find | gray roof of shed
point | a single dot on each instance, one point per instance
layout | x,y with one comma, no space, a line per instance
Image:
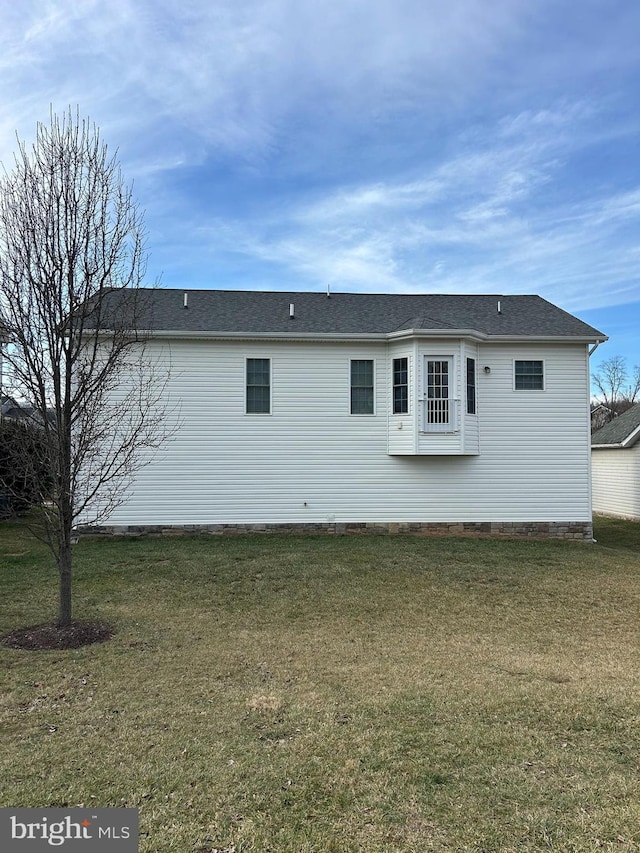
620,429
238,311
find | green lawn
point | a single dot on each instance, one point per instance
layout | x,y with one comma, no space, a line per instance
347,694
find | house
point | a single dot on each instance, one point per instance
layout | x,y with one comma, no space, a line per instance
12,410
615,465
344,412
601,415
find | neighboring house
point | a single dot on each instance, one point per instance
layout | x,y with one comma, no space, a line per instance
304,411
615,465
601,415
12,410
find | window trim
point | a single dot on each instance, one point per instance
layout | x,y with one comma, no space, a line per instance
246,385
373,388
471,399
453,423
541,361
395,385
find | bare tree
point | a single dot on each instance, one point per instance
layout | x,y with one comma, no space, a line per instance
71,239
618,389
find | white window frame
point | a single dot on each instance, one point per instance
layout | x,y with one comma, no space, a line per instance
395,358
247,359
544,377
373,380
467,359
453,423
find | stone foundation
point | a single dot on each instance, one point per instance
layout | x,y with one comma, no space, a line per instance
580,530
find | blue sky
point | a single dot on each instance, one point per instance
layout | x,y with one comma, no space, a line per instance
462,146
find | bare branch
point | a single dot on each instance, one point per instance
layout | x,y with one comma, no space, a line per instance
617,390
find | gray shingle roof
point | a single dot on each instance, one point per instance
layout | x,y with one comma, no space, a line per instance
619,429
237,311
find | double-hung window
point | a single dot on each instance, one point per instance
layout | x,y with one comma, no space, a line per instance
400,386
258,386
362,386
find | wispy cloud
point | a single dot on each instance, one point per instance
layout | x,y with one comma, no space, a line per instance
233,73
386,145
490,218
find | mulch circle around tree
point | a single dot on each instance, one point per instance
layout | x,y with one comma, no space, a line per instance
52,636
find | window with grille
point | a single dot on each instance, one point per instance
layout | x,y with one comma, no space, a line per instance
529,376
438,404
258,386
362,386
400,386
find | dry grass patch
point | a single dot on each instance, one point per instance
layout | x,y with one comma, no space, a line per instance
349,694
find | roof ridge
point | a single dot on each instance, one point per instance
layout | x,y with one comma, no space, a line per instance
268,312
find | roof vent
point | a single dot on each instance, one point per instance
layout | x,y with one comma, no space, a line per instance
292,311
499,306
185,303
328,290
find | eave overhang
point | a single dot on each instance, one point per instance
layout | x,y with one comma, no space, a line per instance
378,337
629,441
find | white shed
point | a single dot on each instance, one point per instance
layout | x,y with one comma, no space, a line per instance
615,465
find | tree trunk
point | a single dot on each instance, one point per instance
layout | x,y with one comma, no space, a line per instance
64,568
65,561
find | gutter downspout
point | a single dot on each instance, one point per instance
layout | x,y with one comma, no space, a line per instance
590,478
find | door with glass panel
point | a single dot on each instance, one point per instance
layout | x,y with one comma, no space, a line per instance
439,405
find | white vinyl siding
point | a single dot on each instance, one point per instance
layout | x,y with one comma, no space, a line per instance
312,461
616,481
537,443
402,425
470,430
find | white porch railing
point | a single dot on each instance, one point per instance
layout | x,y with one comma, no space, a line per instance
440,415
